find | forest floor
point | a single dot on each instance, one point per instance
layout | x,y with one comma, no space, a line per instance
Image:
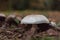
9,34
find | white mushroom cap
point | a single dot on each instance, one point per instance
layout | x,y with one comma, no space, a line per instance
53,23
11,16
34,19
1,14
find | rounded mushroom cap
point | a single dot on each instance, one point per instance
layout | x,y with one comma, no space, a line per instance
53,23
34,19
3,15
11,16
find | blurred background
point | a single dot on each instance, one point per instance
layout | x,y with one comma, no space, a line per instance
29,4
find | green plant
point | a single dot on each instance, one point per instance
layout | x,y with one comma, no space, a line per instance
37,38
49,38
58,24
